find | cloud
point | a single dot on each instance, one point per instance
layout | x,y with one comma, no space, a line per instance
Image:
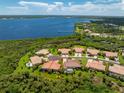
87,8
45,7
38,4
106,1
18,8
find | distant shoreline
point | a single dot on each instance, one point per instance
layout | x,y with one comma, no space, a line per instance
44,16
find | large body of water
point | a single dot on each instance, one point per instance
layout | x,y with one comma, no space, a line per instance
38,27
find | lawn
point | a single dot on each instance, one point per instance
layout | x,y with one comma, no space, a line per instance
54,51
101,57
121,59
84,61
80,46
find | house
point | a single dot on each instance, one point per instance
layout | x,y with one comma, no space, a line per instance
78,51
96,65
72,64
94,34
87,31
52,65
117,70
111,55
92,52
35,60
64,52
43,52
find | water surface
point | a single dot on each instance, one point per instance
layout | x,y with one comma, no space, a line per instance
38,27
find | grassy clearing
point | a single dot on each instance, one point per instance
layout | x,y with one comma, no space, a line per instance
101,57
80,46
54,51
84,61
121,59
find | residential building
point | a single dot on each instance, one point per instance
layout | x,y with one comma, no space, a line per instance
92,53
52,65
78,51
35,60
64,52
72,64
87,31
96,65
117,70
111,56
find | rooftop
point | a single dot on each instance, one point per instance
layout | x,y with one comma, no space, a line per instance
64,50
93,52
117,69
79,50
87,30
95,65
111,54
35,60
51,66
72,64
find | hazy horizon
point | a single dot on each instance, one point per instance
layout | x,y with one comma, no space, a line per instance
68,15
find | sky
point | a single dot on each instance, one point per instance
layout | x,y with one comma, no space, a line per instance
62,7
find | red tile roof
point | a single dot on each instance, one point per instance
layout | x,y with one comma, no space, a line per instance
72,64
95,65
111,54
51,66
64,50
117,69
93,52
78,50
35,60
